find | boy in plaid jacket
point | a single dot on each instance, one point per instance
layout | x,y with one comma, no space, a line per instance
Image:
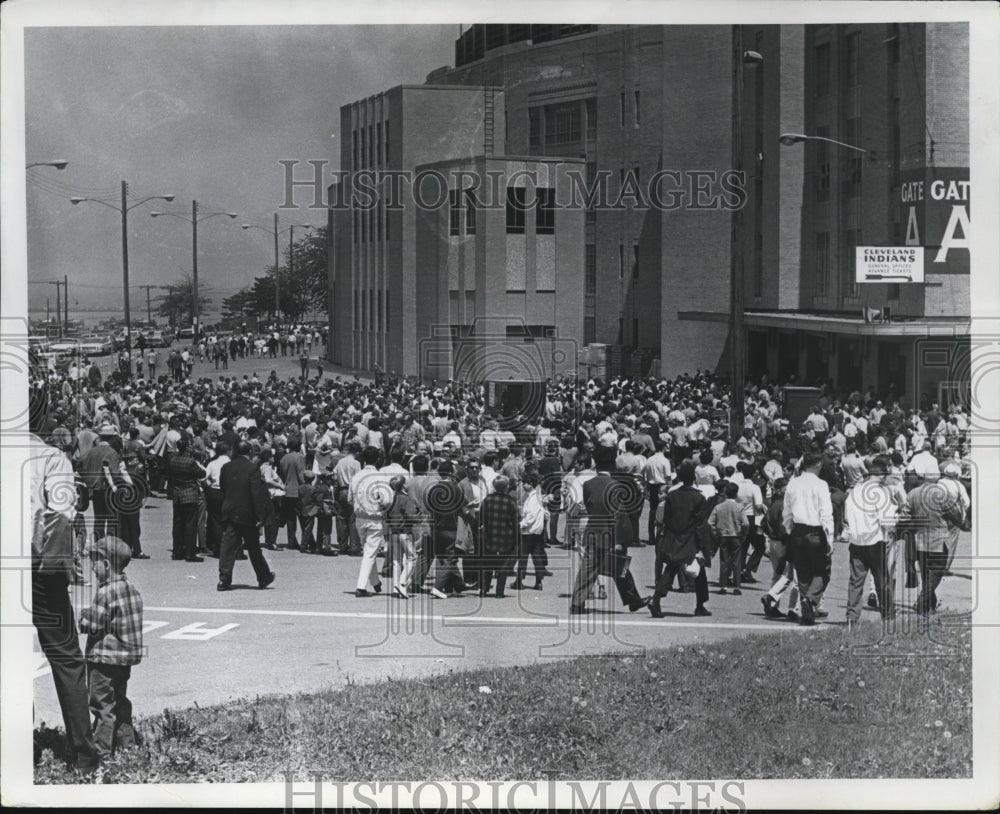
113,623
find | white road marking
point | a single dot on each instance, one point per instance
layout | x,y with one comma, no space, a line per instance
509,621
197,632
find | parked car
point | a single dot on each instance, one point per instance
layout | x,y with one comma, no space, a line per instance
157,339
66,346
186,334
96,345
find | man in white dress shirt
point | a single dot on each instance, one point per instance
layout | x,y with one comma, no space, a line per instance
808,519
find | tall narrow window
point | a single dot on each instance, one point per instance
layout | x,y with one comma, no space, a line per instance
758,265
357,317
852,59
470,212
378,141
589,330
387,310
823,69
545,214
387,142
822,262
621,261
454,213
516,198
852,238
590,269
635,332
354,148
590,215
621,109
853,165
591,108
534,129
636,102
822,164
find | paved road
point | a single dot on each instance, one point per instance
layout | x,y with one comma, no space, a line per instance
285,366
308,631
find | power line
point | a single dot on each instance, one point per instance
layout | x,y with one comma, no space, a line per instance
44,180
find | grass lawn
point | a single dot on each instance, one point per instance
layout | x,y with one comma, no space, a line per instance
782,705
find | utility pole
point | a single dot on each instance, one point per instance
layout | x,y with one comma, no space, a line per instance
65,304
277,298
128,311
149,308
194,269
737,337
56,283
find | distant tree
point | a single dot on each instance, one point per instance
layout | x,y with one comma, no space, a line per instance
177,304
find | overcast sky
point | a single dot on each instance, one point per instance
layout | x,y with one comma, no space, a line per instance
204,113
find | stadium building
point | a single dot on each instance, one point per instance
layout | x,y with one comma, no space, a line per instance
645,115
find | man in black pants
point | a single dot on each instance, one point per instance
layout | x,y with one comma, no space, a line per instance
685,541
52,509
246,505
184,473
609,502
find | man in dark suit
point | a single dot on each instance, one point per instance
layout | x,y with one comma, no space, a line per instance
608,501
246,504
685,541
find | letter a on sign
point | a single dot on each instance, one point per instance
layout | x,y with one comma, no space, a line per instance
957,218
912,232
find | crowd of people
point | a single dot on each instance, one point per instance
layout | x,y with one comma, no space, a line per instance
457,498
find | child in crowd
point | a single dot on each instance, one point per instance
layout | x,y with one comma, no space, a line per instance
113,623
729,526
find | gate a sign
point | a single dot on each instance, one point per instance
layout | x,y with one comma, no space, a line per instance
934,205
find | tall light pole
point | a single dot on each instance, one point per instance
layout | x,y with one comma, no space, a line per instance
275,232
194,220
124,210
59,164
737,339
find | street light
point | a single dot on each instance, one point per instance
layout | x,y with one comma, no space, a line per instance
123,209
736,330
788,139
275,232
194,220
58,163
